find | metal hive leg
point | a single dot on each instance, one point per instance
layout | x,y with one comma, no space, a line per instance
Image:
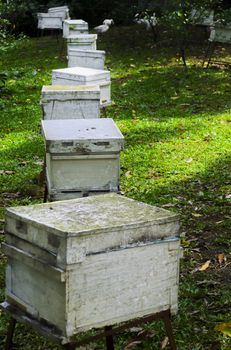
212,49
109,339
70,346
206,53
10,334
168,327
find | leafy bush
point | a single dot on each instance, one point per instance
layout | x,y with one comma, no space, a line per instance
7,39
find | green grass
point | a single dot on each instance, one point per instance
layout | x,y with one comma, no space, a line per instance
176,125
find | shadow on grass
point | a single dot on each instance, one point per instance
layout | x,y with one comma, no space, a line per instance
22,162
170,92
207,194
151,132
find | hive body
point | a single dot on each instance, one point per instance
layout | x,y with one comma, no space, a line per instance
86,58
47,21
82,42
92,262
70,102
82,157
72,27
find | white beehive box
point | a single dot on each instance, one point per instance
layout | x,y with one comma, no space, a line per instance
82,42
49,21
86,58
220,34
62,11
72,27
82,157
91,262
85,76
70,102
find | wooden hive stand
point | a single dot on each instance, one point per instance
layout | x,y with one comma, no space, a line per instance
108,333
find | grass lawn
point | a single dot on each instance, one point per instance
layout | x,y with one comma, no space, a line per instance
176,125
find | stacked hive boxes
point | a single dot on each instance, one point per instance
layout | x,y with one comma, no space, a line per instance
82,150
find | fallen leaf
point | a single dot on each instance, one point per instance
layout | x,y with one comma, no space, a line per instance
205,266
168,205
164,343
23,162
136,329
133,344
39,162
189,160
225,328
225,121
6,172
207,283
221,258
128,173
197,215
174,97
11,194
219,222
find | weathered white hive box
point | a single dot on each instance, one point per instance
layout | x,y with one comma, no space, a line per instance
82,157
85,76
86,58
82,42
62,11
70,102
49,21
90,262
74,27
220,34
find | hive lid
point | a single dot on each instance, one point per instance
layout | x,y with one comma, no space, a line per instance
95,214
82,74
49,15
81,129
59,92
58,8
75,21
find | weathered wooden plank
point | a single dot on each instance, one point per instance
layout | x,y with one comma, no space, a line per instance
70,102
132,282
86,58
82,42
